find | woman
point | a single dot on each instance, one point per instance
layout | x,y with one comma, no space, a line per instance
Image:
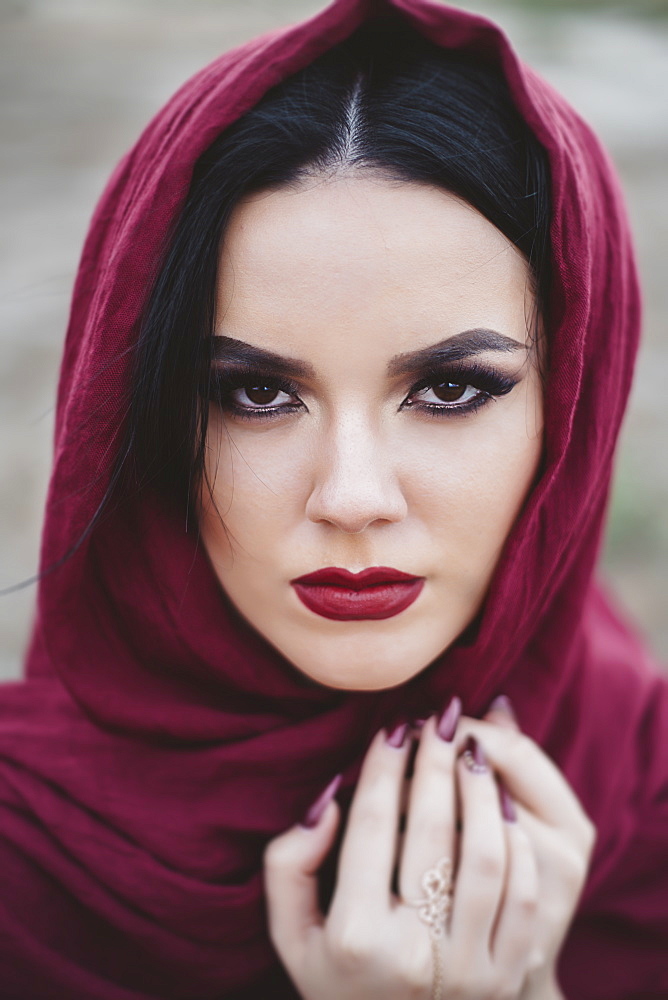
336,421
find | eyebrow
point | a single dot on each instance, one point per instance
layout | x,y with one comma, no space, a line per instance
448,351
238,352
453,349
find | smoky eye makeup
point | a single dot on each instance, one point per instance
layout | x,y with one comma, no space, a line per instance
458,389
440,391
251,394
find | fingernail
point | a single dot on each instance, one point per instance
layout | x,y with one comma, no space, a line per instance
418,723
474,757
505,705
314,815
508,810
397,737
447,724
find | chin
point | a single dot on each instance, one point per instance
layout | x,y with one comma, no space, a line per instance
375,683
364,665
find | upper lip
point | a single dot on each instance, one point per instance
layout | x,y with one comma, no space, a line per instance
337,577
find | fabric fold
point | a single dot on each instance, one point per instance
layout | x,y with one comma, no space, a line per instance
158,742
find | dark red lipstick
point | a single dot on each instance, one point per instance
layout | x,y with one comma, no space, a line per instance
374,593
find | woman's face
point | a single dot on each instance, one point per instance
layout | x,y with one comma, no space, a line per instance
381,409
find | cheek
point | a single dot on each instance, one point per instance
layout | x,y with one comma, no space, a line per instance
468,483
260,485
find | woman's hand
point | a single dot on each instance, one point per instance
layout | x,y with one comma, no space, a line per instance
561,835
502,935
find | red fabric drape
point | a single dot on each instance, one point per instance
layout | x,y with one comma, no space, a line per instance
158,742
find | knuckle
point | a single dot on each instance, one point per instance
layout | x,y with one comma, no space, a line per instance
277,855
411,979
457,985
371,803
370,821
480,988
527,904
589,834
274,931
519,746
506,990
468,977
350,945
442,761
536,960
489,864
413,970
574,867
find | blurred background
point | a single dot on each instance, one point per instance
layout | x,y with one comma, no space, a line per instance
80,78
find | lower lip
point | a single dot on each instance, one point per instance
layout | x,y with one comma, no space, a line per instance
383,600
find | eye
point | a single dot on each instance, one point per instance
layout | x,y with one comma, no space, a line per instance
446,392
455,393
254,396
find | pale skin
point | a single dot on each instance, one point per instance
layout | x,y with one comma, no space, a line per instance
515,889
378,300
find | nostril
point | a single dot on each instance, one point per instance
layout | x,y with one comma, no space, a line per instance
350,520
352,508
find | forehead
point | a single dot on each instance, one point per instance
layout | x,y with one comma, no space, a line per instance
360,254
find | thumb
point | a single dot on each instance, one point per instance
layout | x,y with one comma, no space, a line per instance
502,713
291,863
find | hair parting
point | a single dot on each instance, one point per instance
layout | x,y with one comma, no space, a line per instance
386,100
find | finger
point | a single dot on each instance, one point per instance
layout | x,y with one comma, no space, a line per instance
528,773
481,871
291,863
514,932
502,713
368,850
562,863
430,828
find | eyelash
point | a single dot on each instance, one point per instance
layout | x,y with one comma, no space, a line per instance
489,382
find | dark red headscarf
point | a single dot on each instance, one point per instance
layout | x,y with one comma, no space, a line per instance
158,742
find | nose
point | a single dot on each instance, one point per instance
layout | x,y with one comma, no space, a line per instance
356,484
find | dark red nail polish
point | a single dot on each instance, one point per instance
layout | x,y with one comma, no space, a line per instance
397,737
508,810
447,724
473,756
314,815
505,705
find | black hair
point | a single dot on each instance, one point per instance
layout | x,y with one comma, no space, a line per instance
385,100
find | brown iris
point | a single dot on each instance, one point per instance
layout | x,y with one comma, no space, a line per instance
261,394
449,392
